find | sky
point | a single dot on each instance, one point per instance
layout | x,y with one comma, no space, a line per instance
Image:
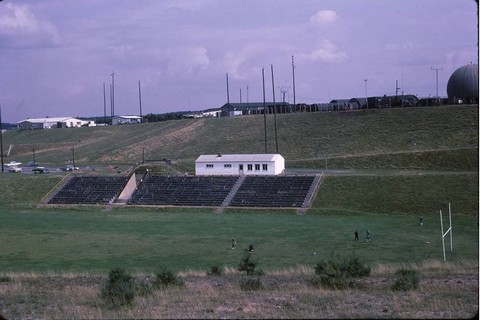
56,55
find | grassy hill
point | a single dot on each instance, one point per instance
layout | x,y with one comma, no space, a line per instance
441,138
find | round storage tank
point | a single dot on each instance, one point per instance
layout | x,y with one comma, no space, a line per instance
463,84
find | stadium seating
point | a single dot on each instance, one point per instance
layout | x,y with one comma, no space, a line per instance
196,191
273,191
183,190
90,190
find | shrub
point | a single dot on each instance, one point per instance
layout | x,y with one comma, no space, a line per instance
251,284
248,265
215,271
166,278
405,279
350,267
119,289
338,272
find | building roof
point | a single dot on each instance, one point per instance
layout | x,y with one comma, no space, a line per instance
238,157
128,117
43,120
250,105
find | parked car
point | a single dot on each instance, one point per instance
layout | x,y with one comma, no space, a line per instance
15,169
40,170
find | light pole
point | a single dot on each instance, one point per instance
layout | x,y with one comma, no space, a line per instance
366,94
436,76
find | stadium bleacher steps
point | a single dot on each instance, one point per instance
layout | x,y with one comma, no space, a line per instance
233,191
313,188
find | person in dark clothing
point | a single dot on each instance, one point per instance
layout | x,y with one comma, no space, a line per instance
356,236
250,247
234,242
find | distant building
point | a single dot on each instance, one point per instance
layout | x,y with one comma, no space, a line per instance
462,86
118,120
50,123
242,109
212,113
240,164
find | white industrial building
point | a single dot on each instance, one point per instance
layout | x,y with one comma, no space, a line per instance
117,120
49,123
240,164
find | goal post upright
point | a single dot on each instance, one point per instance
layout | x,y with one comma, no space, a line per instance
446,232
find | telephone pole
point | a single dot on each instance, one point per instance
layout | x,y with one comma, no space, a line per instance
436,75
113,93
293,74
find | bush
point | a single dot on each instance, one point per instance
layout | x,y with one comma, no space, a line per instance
337,273
215,271
350,267
166,278
248,265
119,289
405,280
251,284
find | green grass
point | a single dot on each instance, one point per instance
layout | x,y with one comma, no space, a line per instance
433,151
140,239
428,138
412,194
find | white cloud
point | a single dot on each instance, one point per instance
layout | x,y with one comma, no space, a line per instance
324,17
19,27
328,52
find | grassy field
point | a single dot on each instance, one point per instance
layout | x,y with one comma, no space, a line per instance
42,238
385,167
425,138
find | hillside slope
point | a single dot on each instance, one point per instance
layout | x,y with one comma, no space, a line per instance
444,138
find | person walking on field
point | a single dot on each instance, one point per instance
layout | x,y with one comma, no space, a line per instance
420,217
368,236
356,236
234,242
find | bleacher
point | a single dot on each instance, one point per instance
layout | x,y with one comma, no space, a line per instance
207,191
273,191
90,190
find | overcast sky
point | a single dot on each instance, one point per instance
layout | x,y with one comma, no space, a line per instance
55,55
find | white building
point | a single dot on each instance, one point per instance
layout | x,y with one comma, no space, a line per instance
240,164
116,120
49,123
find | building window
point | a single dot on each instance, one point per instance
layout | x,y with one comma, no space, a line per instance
249,167
265,167
209,166
227,166
257,167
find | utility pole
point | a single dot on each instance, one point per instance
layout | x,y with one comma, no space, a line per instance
366,94
228,94
264,111
140,101
274,112
293,74
104,105
113,94
436,73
